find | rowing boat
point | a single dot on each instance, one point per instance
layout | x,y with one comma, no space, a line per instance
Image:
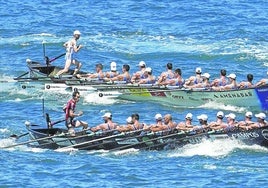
256,98
112,140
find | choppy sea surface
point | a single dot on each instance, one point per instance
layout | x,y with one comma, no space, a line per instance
210,34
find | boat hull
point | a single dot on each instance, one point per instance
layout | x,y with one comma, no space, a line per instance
113,141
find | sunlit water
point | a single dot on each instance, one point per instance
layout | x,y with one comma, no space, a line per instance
210,34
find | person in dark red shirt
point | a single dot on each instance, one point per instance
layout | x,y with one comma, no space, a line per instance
70,114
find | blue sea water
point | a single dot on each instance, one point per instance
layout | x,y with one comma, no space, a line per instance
230,34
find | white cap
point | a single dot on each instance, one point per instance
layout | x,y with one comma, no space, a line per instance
220,113
260,115
198,70
76,32
148,69
107,114
142,63
233,76
129,120
158,116
189,116
248,114
113,66
204,117
206,75
231,115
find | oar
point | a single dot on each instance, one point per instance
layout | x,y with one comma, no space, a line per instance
28,142
81,136
18,136
98,139
51,60
153,139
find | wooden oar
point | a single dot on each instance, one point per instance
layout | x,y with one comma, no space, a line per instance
18,136
153,139
98,139
30,141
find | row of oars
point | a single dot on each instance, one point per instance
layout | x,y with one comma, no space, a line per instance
98,141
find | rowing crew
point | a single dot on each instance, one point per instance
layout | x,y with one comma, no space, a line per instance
173,78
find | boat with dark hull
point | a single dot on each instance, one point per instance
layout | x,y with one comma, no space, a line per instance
56,138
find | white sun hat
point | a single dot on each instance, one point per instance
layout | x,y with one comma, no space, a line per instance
142,63
220,114
206,75
189,116
260,115
148,69
248,114
107,114
231,115
76,32
158,116
113,66
233,76
204,117
198,70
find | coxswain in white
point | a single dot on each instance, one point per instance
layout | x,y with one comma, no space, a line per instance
71,49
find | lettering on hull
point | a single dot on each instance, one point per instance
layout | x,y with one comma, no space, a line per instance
245,135
234,95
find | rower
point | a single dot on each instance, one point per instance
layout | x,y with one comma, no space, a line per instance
203,121
137,76
133,124
232,84
248,83
261,122
125,76
187,124
204,84
158,126
98,75
127,127
231,122
222,81
194,79
148,78
218,124
107,125
113,72
167,75
246,124
262,82
169,124
176,81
